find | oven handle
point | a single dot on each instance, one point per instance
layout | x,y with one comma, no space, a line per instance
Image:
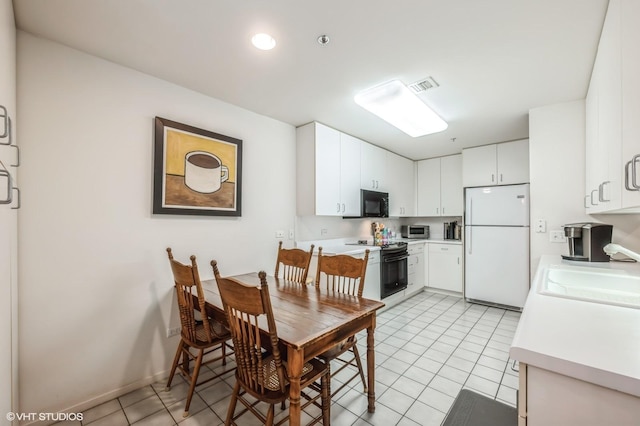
395,258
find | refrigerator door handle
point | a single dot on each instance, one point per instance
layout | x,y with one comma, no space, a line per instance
470,240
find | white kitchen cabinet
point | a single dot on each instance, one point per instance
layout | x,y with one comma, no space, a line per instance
612,108
371,288
547,398
439,186
401,178
497,164
445,267
451,192
373,167
415,268
328,172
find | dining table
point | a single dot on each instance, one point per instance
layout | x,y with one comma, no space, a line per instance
309,321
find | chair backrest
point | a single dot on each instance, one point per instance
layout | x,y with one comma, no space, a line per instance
187,283
343,273
246,307
295,263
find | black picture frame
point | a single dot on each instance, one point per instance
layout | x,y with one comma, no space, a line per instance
196,171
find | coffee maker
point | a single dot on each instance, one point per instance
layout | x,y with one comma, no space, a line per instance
587,240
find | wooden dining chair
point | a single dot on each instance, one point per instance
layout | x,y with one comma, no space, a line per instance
202,336
262,372
295,263
343,274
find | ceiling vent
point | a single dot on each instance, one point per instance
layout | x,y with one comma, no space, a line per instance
423,85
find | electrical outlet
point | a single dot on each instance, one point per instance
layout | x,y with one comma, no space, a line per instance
541,226
324,231
173,331
280,233
291,234
557,237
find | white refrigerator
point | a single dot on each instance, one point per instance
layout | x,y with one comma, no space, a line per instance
496,261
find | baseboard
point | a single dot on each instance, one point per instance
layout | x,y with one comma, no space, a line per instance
108,396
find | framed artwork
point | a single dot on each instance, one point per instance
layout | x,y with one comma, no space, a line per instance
196,171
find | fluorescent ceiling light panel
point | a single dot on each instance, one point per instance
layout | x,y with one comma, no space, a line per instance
400,107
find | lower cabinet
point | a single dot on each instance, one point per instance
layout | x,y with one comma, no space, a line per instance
548,398
445,267
372,278
415,268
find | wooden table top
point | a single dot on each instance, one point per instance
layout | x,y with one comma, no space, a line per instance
303,314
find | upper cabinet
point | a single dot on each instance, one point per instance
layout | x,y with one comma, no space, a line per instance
439,186
612,178
328,172
373,165
497,164
402,192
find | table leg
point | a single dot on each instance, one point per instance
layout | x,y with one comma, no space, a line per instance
294,365
371,366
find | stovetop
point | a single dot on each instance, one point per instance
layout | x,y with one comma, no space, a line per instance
383,246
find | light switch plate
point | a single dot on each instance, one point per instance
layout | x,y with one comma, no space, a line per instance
557,237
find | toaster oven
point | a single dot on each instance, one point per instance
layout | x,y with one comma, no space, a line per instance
415,231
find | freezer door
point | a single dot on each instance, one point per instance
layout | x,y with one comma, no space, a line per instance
497,205
497,264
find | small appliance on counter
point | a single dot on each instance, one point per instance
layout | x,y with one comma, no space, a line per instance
587,240
415,231
451,231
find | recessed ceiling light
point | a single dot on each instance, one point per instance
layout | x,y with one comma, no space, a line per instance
400,107
263,41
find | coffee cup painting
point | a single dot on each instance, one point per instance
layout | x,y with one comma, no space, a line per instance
196,171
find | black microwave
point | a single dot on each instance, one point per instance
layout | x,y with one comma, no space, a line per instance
374,204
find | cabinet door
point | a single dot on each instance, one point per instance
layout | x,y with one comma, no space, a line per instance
591,140
373,161
371,288
328,168
609,144
479,166
401,178
451,185
630,103
513,162
445,267
349,175
428,185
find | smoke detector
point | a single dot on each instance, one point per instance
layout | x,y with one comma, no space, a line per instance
423,85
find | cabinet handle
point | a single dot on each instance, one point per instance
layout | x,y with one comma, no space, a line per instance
343,208
591,196
443,210
377,184
626,177
634,161
585,202
458,260
338,209
5,116
493,177
601,191
373,184
500,177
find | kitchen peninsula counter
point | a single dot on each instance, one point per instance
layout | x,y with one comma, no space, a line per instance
593,342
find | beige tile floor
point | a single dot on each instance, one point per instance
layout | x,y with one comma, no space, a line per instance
428,348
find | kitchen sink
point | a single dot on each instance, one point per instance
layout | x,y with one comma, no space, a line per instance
600,285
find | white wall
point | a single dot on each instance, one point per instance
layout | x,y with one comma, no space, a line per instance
557,171
96,288
8,224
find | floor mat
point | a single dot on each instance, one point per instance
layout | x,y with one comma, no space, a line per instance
472,409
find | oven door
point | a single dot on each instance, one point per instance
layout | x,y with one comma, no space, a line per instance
393,274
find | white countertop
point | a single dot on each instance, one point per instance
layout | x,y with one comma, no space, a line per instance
593,342
340,246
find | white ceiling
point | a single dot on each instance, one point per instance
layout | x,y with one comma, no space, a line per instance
493,59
